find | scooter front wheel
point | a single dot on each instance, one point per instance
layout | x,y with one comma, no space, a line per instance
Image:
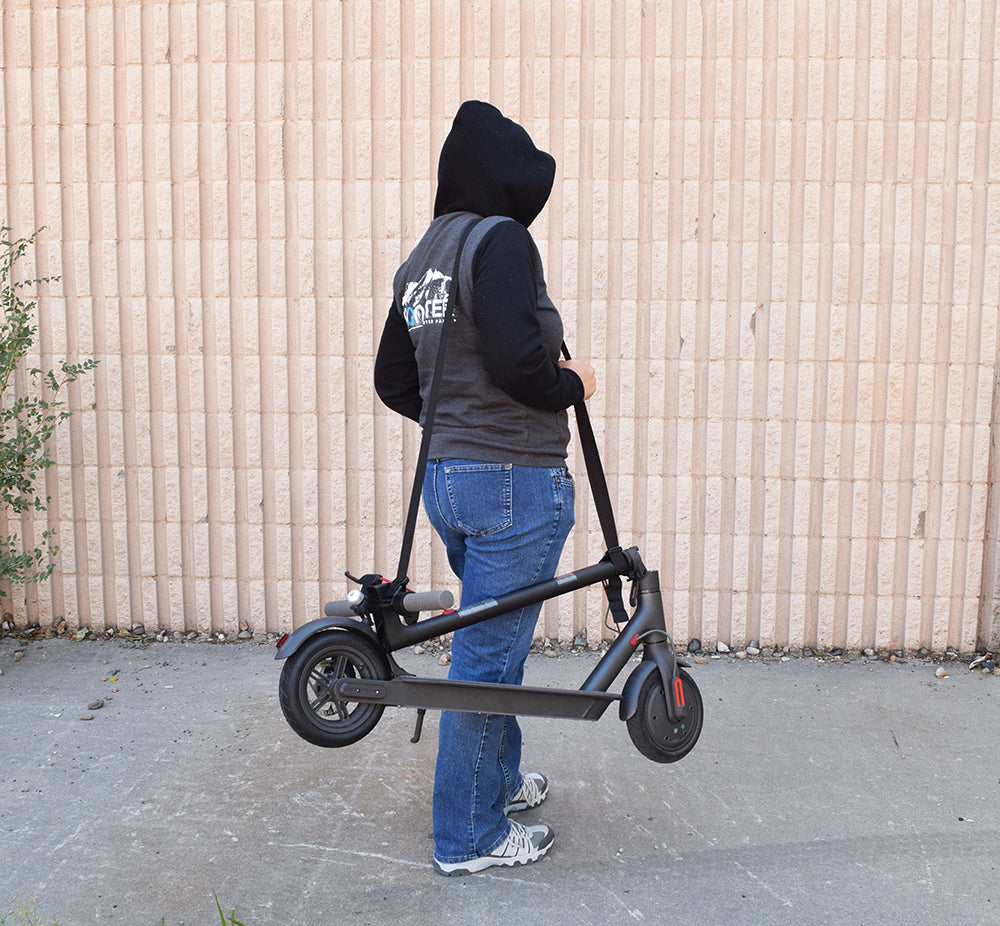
650,727
306,688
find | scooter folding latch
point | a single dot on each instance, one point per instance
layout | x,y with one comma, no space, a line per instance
627,563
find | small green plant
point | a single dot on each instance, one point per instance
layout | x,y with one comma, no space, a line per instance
232,921
23,911
28,418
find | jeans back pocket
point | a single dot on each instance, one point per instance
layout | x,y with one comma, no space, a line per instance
479,495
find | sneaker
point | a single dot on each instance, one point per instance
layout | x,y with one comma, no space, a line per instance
524,844
532,792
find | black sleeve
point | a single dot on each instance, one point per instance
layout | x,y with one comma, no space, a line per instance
397,380
505,300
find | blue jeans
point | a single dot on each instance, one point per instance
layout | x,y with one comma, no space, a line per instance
504,527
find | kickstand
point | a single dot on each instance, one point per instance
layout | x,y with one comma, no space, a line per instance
420,725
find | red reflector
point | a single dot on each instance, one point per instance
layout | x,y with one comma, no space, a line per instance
679,692
281,640
634,641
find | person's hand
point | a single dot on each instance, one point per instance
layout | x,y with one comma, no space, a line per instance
585,371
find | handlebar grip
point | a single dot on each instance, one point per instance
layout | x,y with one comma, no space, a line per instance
428,601
338,609
412,601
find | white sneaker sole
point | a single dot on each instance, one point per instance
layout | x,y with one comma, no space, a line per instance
472,866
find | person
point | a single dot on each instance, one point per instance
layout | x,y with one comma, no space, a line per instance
496,488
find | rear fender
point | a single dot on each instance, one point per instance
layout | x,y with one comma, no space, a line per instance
322,625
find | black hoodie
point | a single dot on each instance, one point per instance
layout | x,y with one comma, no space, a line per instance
490,166
504,395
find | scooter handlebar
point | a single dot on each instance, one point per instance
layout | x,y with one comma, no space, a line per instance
428,601
412,601
338,609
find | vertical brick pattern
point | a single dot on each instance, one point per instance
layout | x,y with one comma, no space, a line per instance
774,229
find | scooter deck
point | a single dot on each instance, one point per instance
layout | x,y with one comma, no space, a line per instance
476,697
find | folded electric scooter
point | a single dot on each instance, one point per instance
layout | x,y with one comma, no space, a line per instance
340,674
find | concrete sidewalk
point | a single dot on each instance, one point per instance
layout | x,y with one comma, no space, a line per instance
820,793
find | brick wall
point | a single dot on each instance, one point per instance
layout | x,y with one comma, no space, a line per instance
774,229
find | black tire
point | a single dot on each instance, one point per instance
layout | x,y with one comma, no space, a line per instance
304,690
652,732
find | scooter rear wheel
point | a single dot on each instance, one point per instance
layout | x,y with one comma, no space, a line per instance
306,688
650,728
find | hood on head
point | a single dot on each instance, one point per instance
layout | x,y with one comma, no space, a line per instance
490,166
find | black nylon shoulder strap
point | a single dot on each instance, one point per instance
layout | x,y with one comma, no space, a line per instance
430,410
602,501
595,471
